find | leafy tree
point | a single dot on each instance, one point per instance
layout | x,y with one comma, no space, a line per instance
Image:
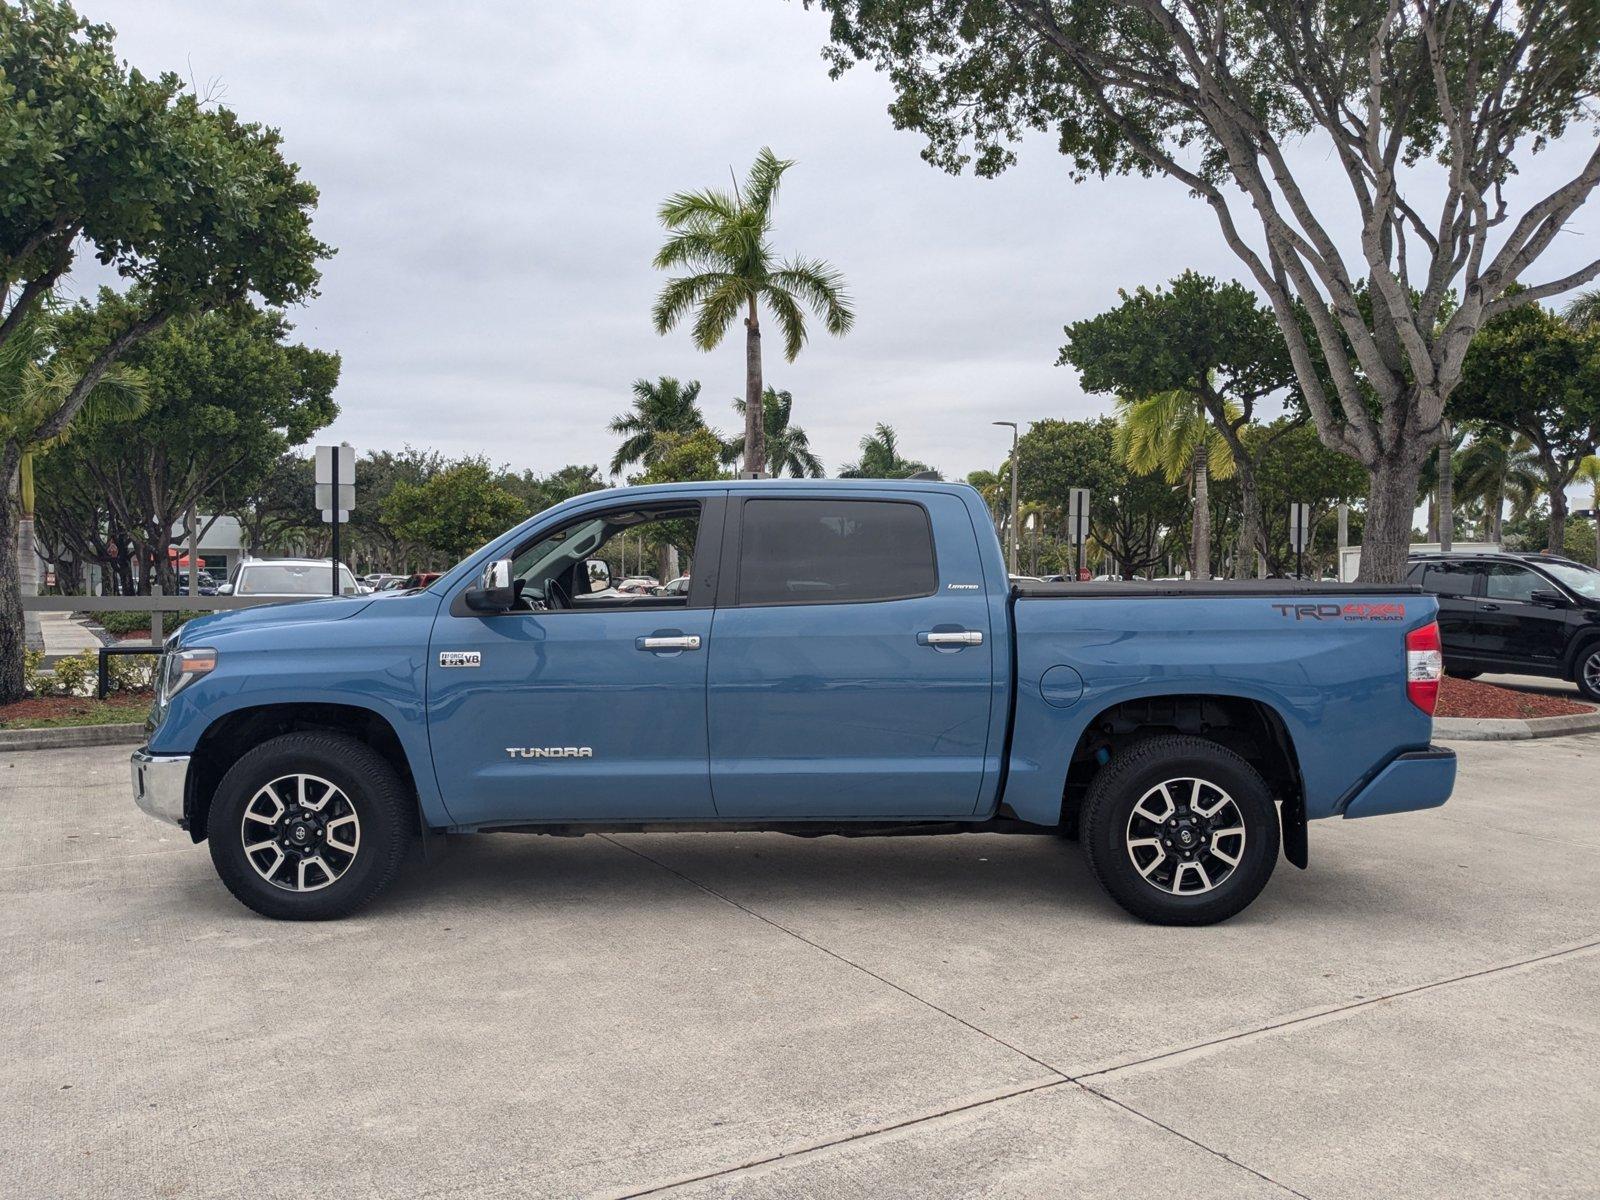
192,206
662,410
1129,512
1170,434
686,458
1294,467
995,488
1214,343
1427,106
880,459
788,447
720,238
228,394
546,491
1531,373
33,381
454,512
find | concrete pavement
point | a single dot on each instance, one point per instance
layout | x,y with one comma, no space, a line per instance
754,1015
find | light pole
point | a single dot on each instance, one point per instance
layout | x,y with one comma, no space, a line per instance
1011,520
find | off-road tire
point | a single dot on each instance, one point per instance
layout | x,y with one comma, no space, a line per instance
384,806
1123,783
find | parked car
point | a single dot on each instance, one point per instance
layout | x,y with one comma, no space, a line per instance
1526,614
639,585
856,662
674,587
290,578
207,583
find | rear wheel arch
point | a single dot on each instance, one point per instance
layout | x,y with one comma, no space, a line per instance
233,735
1250,728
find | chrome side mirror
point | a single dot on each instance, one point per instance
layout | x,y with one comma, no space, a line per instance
494,592
599,574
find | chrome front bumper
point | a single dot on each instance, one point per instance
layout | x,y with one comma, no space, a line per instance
158,783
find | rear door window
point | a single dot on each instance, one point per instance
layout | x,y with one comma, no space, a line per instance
1507,582
834,552
1449,578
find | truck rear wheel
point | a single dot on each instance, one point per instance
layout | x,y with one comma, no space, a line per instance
309,826
1180,831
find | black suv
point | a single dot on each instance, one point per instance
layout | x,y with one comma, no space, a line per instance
1528,614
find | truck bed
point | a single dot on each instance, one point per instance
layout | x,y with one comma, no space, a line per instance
1203,588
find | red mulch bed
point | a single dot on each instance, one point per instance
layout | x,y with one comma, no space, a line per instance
67,706
1469,698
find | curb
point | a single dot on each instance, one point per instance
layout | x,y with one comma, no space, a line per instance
1485,729
70,735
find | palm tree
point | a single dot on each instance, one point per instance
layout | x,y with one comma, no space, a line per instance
1589,472
1170,433
1493,469
788,447
662,410
880,459
33,385
995,488
1583,310
720,238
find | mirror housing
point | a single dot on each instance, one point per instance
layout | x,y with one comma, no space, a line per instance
1548,596
599,574
224,589
494,591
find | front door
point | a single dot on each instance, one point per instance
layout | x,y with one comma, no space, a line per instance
578,706
846,678
1514,628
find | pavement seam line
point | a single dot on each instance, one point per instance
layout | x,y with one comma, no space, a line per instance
800,937
1340,1010
844,1139
1064,1076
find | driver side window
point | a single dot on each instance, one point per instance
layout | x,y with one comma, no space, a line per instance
640,556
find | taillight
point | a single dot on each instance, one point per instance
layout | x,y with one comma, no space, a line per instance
1424,667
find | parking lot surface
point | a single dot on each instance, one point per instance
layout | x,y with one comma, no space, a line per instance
710,1015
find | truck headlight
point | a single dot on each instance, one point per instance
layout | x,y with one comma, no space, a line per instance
183,667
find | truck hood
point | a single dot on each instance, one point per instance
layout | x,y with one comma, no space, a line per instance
290,612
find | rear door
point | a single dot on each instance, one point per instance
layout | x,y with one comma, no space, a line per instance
1456,584
850,659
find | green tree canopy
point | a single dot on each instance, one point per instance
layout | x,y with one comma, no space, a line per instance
1531,373
454,512
227,393
1426,109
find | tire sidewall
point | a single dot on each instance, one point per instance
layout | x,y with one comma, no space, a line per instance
1111,804
352,767
1588,655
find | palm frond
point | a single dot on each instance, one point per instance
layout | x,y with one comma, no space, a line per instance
791,320
822,288
681,294
761,185
718,310
708,204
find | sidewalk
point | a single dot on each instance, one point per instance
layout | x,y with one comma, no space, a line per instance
64,636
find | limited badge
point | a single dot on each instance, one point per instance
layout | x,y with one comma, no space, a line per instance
460,658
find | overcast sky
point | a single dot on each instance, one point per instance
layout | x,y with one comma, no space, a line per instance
490,174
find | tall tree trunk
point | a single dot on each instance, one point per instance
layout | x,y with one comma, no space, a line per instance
1447,494
1386,536
1200,556
13,647
1558,513
755,430
28,553
1252,532
1495,517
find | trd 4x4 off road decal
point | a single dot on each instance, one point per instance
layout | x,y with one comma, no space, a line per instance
1356,611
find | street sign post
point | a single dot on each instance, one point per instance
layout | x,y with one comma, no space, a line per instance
336,492
1299,535
1077,524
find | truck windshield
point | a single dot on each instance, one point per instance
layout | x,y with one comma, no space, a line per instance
292,579
1583,580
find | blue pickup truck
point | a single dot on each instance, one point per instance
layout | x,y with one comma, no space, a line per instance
847,658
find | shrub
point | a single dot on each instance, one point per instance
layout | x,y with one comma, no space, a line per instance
122,623
75,675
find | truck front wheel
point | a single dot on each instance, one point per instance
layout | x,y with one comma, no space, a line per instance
309,826
1180,831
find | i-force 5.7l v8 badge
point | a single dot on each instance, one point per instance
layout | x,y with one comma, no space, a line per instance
460,658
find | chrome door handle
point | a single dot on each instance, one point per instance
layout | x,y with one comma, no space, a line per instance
689,642
960,637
